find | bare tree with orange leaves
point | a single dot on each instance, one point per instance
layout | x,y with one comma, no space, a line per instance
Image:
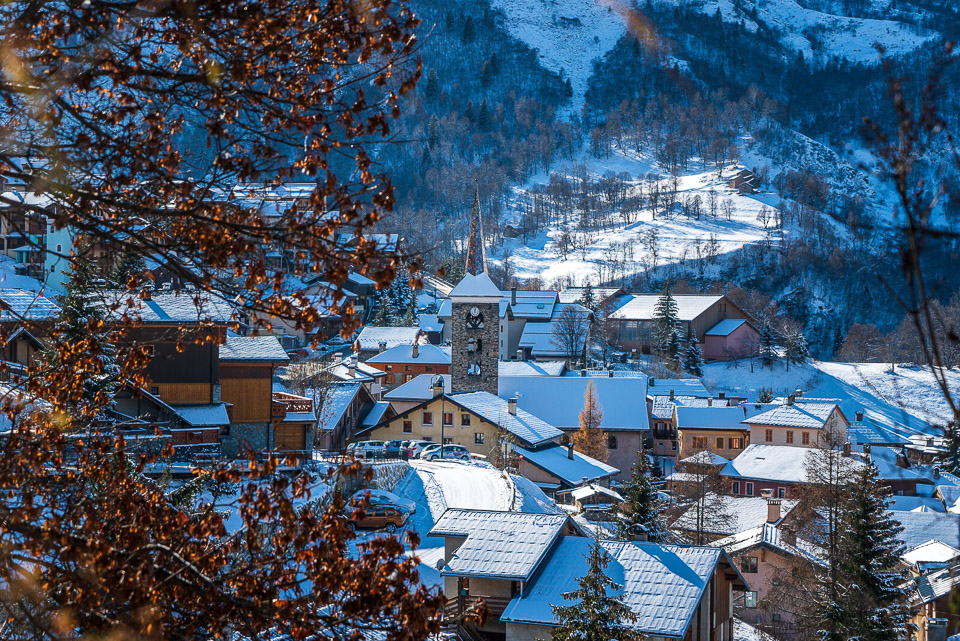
590,439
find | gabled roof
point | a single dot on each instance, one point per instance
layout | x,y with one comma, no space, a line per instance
336,400
678,386
430,323
531,368
523,425
784,463
642,307
417,388
559,399
800,415
476,286
426,355
921,527
253,348
885,460
935,585
362,371
504,545
203,415
531,304
375,415
370,337
726,327
21,304
930,552
769,535
555,459
661,584
663,406
712,417
586,491
742,512
173,307
539,338
706,457
574,294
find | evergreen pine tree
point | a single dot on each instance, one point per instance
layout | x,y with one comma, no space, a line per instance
872,603
81,326
952,432
383,315
410,316
432,86
131,264
641,507
768,345
693,356
588,299
400,293
667,325
595,613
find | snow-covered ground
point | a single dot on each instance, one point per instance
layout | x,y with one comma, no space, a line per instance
567,34
677,234
907,400
819,36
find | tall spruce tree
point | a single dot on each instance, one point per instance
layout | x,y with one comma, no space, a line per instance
872,603
596,614
383,314
588,299
768,345
667,325
693,356
641,509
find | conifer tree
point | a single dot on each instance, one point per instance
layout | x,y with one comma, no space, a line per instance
693,356
588,299
130,265
667,325
872,603
383,315
768,345
641,507
595,613
795,347
590,439
410,316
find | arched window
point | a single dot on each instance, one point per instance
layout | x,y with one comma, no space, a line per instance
611,442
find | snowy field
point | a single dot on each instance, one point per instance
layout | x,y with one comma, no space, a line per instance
906,399
567,34
820,36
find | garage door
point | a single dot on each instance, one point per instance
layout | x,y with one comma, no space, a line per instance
291,437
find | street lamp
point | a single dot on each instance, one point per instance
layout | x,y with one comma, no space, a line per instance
436,381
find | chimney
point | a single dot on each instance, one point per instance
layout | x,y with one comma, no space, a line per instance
338,357
583,373
437,387
352,366
722,395
709,402
671,395
790,399
513,295
653,381
866,449
512,405
773,510
382,347
846,449
936,472
415,353
570,451
610,373
798,393
859,416
146,295
520,355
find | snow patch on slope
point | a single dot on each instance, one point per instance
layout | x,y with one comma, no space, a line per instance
567,34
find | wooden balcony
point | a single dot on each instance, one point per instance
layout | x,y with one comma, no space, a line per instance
282,404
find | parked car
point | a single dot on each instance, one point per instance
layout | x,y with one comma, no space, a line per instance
412,449
457,452
366,449
375,517
378,498
392,449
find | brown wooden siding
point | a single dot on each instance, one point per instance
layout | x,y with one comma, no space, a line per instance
177,393
250,398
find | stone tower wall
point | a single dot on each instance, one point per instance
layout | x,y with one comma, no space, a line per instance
486,357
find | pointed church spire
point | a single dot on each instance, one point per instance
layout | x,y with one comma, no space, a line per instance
476,252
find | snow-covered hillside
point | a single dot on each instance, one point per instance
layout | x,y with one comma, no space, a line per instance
819,36
567,34
907,396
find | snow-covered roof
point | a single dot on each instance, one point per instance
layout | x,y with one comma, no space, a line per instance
885,459
426,355
559,399
430,323
362,371
555,459
740,513
921,527
769,535
173,307
539,338
336,400
870,432
661,584
417,388
898,503
725,327
370,337
663,406
606,373
531,304
935,585
531,368
586,491
714,418
642,307
931,552
677,386
476,286
375,415
203,415
505,545
706,457
801,415
525,426
784,463
22,304
574,294
950,495
253,348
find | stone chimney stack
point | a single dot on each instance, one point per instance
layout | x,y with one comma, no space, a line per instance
773,510
352,366
610,373
798,393
512,406
415,353
583,373
437,388
858,415
709,402
382,347
790,399
520,355
570,451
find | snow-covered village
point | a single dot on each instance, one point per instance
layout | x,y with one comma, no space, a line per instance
510,320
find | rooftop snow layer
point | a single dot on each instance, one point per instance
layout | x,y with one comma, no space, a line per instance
770,535
725,327
335,403
174,307
21,304
370,337
559,399
678,386
802,415
508,545
741,513
525,426
476,286
661,584
921,527
931,552
253,348
642,307
205,415
713,417
531,368
417,388
784,463
555,459
936,584
375,414
426,355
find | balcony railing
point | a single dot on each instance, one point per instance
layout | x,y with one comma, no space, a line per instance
282,404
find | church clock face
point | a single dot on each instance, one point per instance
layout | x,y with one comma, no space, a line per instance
474,319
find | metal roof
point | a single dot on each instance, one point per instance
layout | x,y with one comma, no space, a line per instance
555,459
725,327
426,355
525,426
801,415
253,348
559,399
